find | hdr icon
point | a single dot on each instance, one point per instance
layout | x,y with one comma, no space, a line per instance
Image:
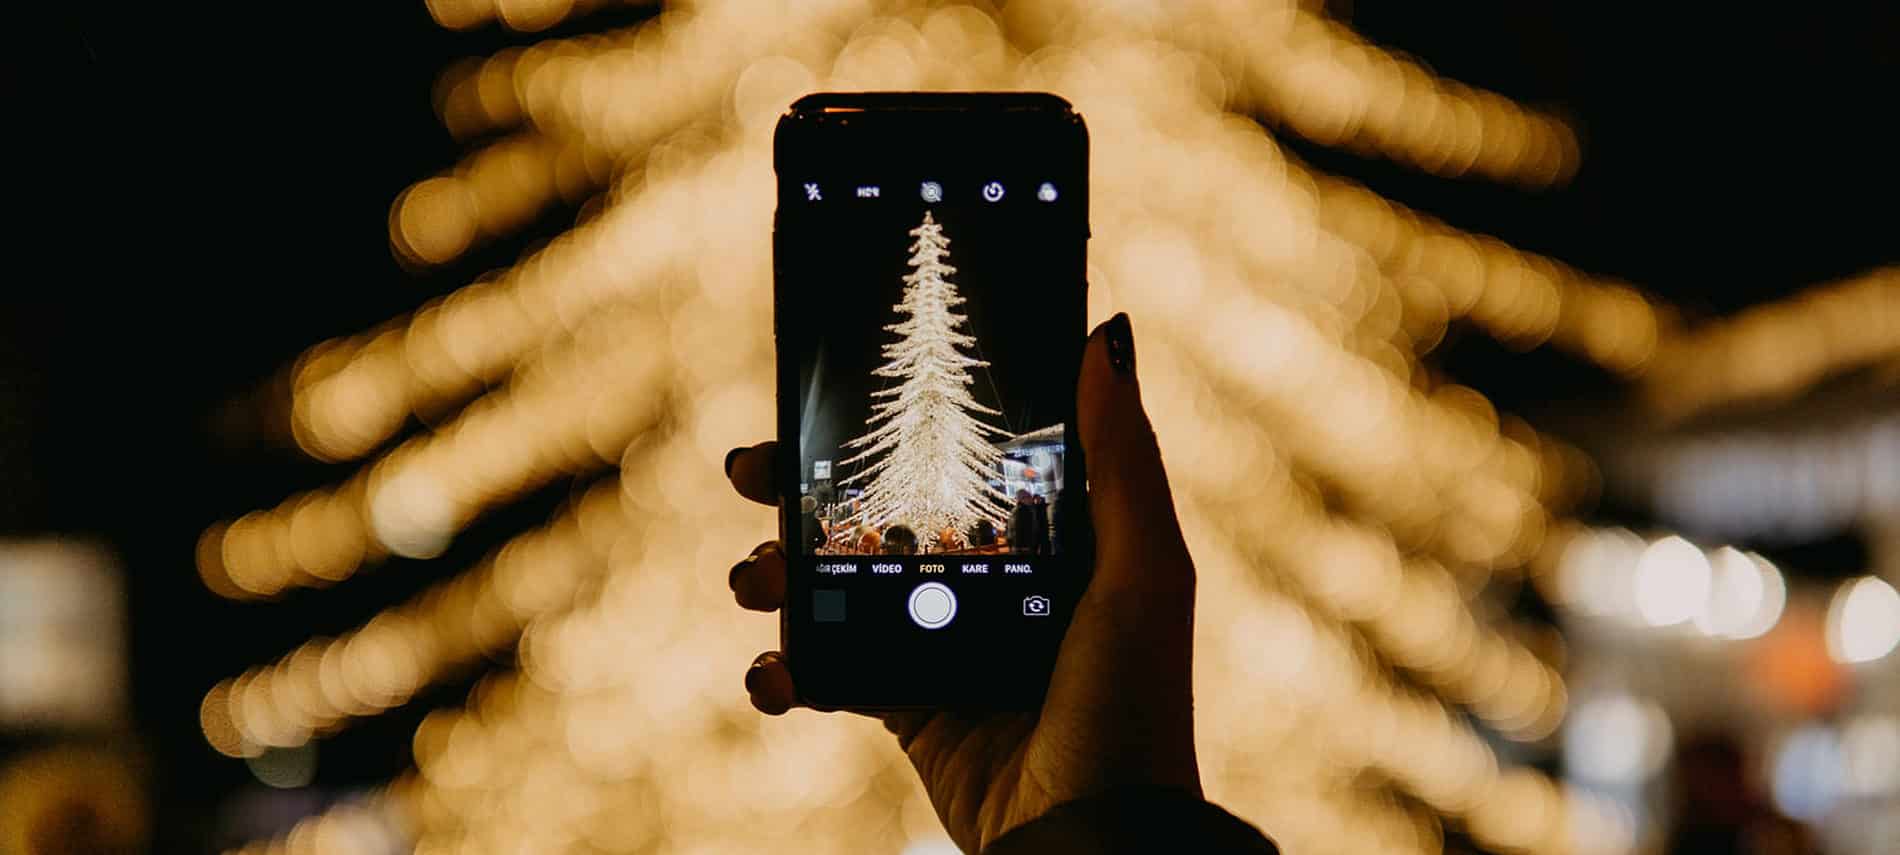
868,191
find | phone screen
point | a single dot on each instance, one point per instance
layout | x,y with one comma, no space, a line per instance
930,319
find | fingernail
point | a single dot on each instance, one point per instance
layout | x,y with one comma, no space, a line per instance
731,456
757,672
732,576
1121,344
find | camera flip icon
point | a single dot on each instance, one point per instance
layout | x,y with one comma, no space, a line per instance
1035,605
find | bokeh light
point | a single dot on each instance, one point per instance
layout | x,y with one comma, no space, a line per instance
1617,739
1672,582
1863,623
1361,522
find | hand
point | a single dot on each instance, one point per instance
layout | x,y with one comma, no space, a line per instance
1119,710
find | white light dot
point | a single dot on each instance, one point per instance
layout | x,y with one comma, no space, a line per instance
1773,600
1617,739
1871,746
1672,582
1863,623
1808,773
1595,571
413,515
1746,596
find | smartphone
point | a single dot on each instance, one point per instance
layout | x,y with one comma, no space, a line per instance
930,299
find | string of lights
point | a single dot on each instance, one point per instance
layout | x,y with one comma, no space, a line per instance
624,91
1317,78
1411,609
1663,583
1774,351
382,664
938,24
561,416
498,189
1364,721
477,97
350,396
1161,250
968,54
1434,475
1343,504
564,749
1520,298
525,16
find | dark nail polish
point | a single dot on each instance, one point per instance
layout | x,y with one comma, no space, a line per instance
1121,344
731,456
732,576
753,674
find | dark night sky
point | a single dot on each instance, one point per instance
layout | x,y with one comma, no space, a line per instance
206,190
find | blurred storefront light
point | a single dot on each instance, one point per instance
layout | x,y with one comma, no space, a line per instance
1672,582
1863,621
1596,572
1611,574
1807,773
1870,747
62,644
1745,598
1617,740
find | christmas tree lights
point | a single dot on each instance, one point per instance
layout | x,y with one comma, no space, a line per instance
1337,492
932,455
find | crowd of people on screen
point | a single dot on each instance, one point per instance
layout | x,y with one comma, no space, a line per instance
836,530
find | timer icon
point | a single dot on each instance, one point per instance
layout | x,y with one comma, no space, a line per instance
993,191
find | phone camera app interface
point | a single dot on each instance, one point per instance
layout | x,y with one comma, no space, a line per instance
931,412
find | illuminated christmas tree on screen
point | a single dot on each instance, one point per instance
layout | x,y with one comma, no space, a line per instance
932,456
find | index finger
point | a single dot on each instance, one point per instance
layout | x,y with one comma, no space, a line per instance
750,470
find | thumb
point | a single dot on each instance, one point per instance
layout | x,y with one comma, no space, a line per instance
1121,697
1138,539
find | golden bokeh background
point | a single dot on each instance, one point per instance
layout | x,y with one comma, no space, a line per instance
1362,522
1346,505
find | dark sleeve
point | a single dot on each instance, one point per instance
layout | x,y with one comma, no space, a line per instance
1129,821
